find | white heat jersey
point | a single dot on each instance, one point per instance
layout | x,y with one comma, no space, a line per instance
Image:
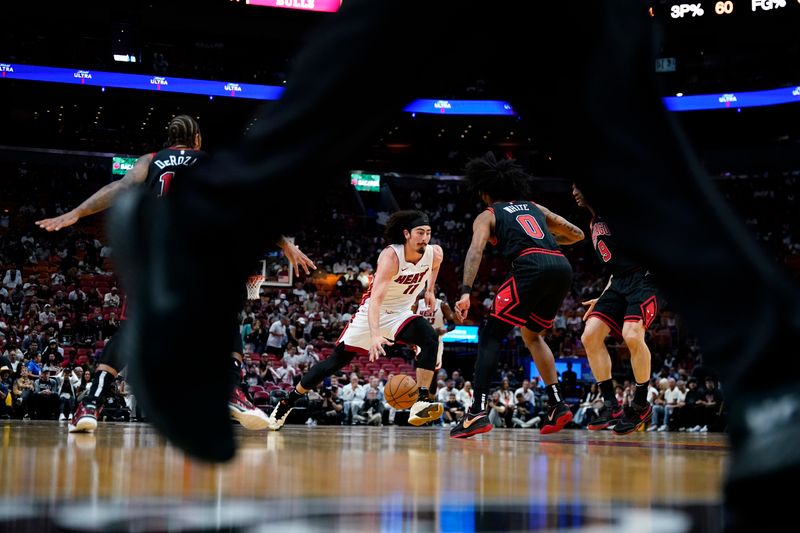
435,317
406,284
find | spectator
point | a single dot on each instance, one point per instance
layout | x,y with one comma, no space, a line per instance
466,395
453,409
23,389
711,405
111,299
277,336
330,411
285,373
497,411
371,410
45,396
6,394
35,365
524,416
590,407
353,395
12,279
526,392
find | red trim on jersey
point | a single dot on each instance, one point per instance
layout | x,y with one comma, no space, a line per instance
355,349
490,209
547,324
365,296
529,251
615,328
506,320
404,324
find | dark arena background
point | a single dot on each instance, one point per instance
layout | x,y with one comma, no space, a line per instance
87,88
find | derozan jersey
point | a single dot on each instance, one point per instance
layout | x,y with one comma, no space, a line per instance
169,164
435,316
406,284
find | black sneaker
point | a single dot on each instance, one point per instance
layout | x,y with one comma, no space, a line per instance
633,419
470,425
278,416
610,414
557,417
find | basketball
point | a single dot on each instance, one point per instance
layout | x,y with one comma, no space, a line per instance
401,391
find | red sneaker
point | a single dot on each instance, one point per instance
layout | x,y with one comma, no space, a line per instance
244,412
85,419
557,417
610,415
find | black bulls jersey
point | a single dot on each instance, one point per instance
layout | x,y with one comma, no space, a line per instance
609,251
168,164
521,228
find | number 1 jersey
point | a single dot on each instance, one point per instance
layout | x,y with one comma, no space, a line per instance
169,164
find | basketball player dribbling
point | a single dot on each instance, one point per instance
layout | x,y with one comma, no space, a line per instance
626,308
384,317
529,235
156,172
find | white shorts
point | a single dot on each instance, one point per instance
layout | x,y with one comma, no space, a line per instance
356,337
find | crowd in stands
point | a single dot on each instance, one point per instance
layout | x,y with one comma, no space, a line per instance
59,304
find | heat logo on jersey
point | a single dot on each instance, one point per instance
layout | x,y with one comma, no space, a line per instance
411,279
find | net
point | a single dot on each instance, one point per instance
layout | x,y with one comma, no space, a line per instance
254,287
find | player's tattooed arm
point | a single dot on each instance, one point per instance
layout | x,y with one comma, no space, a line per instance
481,233
563,230
102,199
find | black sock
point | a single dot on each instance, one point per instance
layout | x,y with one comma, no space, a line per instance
101,381
607,390
294,396
554,393
425,394
478,404
640,394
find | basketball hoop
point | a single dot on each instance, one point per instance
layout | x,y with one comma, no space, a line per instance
254,287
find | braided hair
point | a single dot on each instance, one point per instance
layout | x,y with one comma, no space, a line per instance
182,130
503,180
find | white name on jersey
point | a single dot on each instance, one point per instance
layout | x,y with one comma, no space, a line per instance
176,160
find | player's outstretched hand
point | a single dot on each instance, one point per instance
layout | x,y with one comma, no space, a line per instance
462,309
591,304
296,258
54,224
376,348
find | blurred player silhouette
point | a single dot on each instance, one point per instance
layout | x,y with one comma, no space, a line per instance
154,172
595,107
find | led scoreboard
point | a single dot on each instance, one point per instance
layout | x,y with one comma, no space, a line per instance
684,10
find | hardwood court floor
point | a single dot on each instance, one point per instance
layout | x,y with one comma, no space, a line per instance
360,478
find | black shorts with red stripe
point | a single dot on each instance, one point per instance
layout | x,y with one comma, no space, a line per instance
534,291
630,298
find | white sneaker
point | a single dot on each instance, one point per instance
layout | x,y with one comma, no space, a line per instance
244,412
662,428
278,416
651,428
695,429
424,412
62,418
704,429
311,422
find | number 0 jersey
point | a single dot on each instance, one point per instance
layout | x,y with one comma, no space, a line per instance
520,228
169,164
